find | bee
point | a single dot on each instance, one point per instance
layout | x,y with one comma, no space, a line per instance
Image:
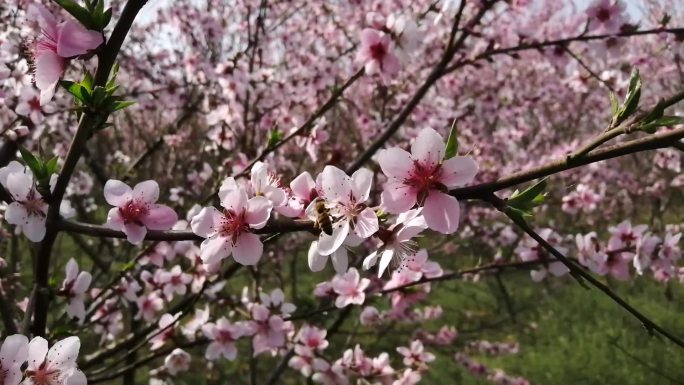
323,220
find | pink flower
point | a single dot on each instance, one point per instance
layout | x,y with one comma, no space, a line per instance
28,210
29,105
397,241
305,362
74,287
231,231
176,362
165,331
312,337
349,288
369,316
607,15
376,53
13,354
302,193
268,330
56,366
424,178
276,301
149,306
408,377
345,199
56,44
414,355
264,183
136,210
223,335
175,281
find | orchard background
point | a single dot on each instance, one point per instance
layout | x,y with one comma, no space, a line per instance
341,192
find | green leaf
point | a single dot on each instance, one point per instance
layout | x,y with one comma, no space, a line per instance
120,105
614,105
81,14
112,78
32,162
75,89
452,143
664,121
274,136
51,166
106,18
88,81
522,203
632,98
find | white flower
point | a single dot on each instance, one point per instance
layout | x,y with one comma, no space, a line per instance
56,366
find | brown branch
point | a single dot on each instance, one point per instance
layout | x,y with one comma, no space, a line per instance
106,60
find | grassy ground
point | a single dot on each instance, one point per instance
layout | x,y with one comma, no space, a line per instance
570,335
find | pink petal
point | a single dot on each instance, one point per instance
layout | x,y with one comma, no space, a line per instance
215,249
316,261
160,217
366,223
385,260
135,234
340,260
14,348
117,193
34,228
428,147
398,197
71,270
248,249
76,378
458,171
206,222
82,282
16,214
74,39
302,185
235,200
46,20
147,191
257,212
361,182
327,244
114,219
441,212
395,163
37,350
19,185
336,185
49,68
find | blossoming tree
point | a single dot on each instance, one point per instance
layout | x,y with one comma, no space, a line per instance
264,138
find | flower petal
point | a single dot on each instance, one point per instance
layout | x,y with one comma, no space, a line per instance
441,212
398,197
257,212
49,68
366,223
160,217
428,147
117,193
74,39
248,249
395,163
361,182
316,260
458,171
37,350
135,234
147,191
206,222
215,249
327,244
